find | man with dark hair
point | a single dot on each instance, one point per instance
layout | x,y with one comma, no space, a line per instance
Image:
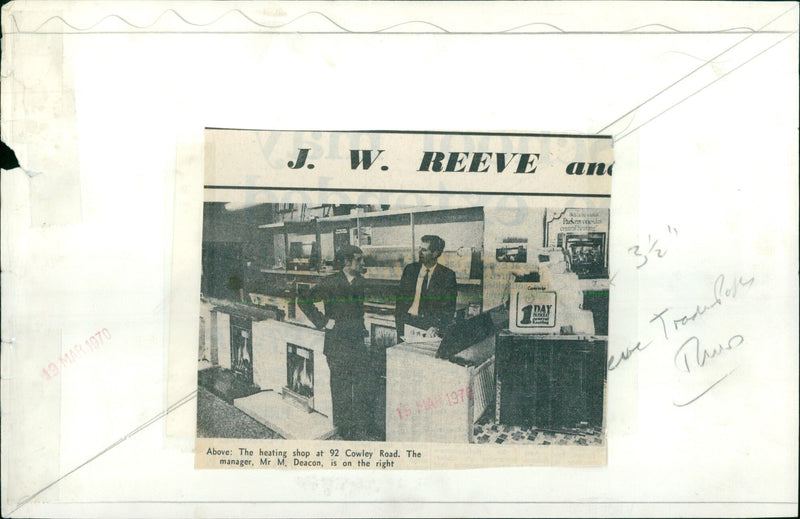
342,295
426,297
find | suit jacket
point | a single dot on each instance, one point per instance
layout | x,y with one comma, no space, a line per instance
344,303
437,306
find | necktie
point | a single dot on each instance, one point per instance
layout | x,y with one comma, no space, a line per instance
423,300
419,293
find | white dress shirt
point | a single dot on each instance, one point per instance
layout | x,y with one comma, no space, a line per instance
414,310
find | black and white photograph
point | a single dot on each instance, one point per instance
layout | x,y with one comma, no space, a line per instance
390,321
380,322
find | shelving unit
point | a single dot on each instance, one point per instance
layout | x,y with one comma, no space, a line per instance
302,251
389,240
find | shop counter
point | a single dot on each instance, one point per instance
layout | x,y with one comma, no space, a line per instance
429,399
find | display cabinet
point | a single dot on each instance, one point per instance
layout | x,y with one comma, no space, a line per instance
550,381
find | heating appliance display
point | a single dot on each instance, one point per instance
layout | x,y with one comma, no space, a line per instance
242,347
299,388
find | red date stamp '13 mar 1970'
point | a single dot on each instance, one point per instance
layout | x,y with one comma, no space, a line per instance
459,396
77,351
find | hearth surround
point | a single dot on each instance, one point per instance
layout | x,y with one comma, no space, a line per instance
266,348
288,359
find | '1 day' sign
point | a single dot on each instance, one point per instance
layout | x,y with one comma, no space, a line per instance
532,310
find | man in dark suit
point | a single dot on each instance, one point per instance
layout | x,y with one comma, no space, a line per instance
342,295
426,296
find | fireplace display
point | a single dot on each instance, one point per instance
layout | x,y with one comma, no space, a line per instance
299,388
293,381
242,347
586,253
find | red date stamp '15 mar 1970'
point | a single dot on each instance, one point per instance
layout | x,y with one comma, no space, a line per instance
77,351
459,396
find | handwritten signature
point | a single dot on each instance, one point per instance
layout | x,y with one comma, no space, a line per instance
721,292
706,390
693,354
613,363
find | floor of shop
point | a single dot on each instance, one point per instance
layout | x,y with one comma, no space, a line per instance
218,419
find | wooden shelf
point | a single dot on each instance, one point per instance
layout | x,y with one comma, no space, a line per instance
295,272
469,281
475,282
364,216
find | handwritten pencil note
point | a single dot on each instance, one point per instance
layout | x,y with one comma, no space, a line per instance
675,328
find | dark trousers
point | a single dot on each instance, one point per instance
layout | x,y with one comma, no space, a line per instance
350,384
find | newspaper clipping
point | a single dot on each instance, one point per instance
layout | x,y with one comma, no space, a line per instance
403,300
